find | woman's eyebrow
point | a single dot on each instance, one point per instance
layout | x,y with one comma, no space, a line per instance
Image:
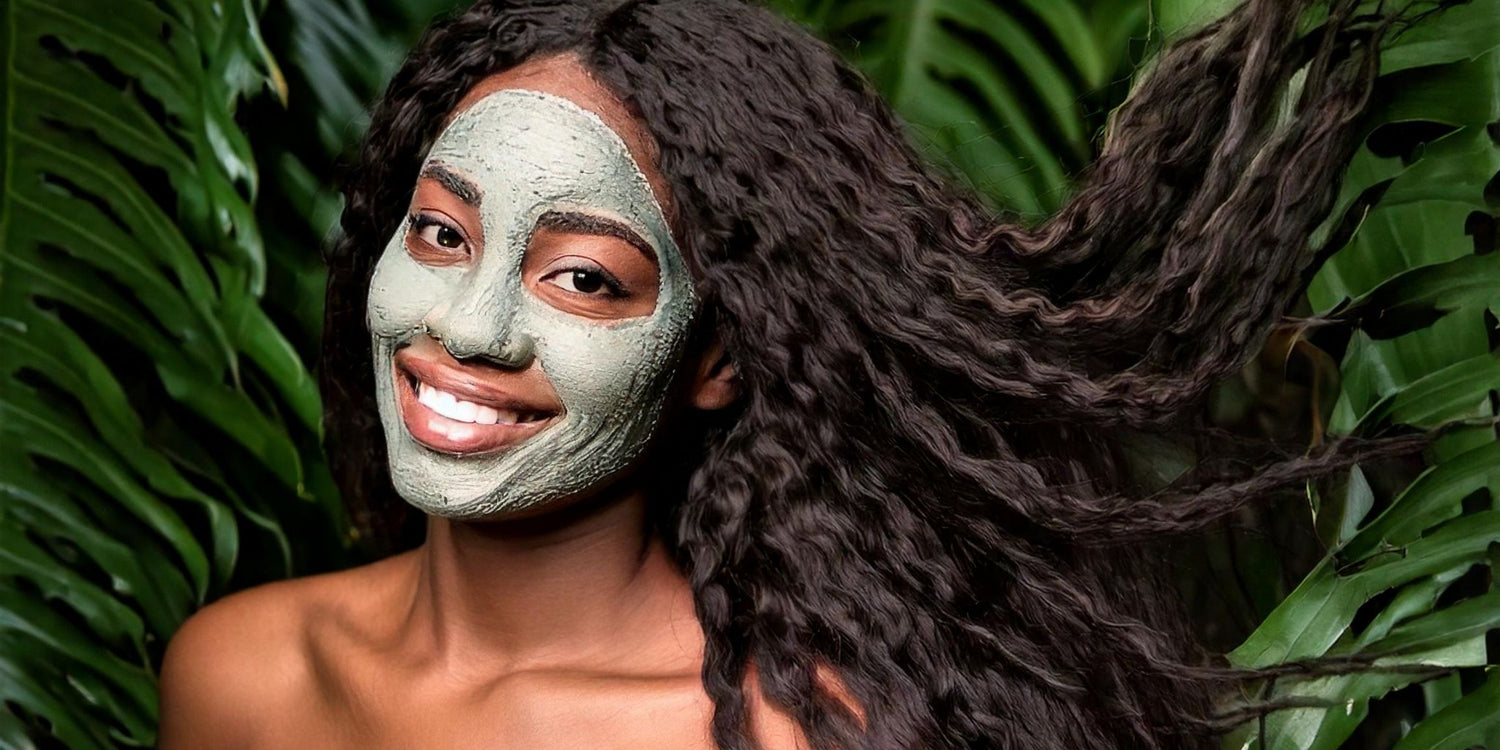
460,186
581,223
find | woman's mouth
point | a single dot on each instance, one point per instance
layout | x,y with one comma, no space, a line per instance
451,406
449,413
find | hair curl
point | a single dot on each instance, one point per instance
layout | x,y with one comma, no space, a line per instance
916,487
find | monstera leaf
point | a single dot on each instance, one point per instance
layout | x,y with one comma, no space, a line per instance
1416,287
997,90
159,431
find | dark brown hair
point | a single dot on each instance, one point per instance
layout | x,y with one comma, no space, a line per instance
920,492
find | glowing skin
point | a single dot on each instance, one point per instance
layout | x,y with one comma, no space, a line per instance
530,154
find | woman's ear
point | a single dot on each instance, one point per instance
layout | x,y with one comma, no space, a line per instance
714,385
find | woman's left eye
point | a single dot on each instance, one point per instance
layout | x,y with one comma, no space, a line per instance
589,281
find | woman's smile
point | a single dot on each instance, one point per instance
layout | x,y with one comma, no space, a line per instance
554,306
464,409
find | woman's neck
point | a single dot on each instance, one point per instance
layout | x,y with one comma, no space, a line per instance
585,586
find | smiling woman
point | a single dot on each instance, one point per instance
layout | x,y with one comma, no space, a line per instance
736,425
539,194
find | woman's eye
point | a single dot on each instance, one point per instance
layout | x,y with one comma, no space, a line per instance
586,281
438,234
446,237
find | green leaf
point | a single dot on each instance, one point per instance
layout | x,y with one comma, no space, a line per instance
1461,33
1313,617
1327,728
1432,497
50,434
31,684
1337,518
1464,93
1471,722
12,731
1454,392
160,589
131,274
1456,168
49,630
1414,299
1177,16
1414,599
992,87
114,622
1460,622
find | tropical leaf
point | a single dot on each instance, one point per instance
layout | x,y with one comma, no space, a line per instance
156,423
1415,285
1470,722
337,60
997,89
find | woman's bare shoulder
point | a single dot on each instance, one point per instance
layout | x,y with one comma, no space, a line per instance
247,656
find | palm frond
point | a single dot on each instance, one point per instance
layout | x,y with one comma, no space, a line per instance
1416,283
999,91
159,429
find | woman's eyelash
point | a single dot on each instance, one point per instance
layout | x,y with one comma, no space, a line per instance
611,283
419,222
422,221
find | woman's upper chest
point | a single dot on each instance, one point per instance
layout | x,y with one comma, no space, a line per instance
364,700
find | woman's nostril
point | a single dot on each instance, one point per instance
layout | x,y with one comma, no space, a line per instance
516,349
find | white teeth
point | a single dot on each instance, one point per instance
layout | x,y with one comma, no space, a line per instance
454,408
465,411
426,395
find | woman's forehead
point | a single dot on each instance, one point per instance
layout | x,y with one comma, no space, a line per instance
517,152
565,76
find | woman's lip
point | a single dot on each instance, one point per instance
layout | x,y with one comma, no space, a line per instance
464,385
445,435
448,435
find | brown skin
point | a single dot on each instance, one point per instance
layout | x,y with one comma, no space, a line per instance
570,628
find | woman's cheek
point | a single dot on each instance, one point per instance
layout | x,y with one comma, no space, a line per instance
403,291
595,368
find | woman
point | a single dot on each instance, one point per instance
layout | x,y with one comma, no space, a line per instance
737,426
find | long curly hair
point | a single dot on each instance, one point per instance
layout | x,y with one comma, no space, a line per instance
921,490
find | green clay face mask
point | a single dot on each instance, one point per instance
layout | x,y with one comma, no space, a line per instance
530,154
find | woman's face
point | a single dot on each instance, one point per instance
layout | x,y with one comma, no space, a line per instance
530,313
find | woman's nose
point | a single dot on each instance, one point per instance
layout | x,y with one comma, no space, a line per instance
473,327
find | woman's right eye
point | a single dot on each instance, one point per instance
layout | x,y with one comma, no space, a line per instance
432,239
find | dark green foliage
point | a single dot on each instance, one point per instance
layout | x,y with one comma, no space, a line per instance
160,433
1411,293
166,190
1007,93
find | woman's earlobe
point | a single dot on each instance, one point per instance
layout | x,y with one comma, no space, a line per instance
715,385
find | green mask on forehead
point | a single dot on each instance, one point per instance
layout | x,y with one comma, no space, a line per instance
530,154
